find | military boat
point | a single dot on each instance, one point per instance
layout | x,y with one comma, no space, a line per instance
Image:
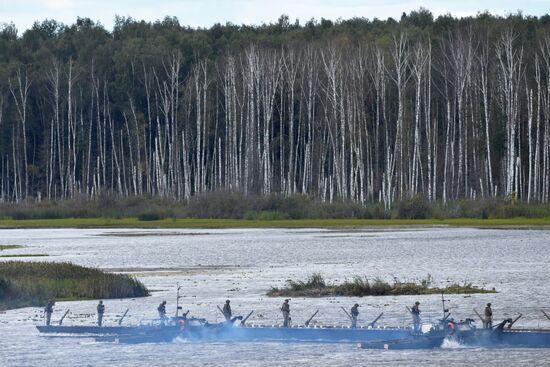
194,329
370,337
465,333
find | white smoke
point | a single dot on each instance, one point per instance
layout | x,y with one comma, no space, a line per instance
451,343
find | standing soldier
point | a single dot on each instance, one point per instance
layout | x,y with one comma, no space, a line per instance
285,309
162,312
100,312
488,317
415,312
354,314
227,311
49,310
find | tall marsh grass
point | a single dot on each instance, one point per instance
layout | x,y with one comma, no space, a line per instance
33,283
236,205
316,286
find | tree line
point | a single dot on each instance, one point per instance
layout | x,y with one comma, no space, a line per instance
356,110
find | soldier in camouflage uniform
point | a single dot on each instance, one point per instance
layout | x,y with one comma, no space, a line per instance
100,312
354,315
488,317
162,312
285,309
227,311
48,310
416,316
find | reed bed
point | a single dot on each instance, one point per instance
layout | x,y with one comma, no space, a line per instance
109,209
316,286
9,247
25,284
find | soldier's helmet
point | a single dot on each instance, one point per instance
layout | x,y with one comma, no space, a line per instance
163,302
489,304
417,303
356,305
101,302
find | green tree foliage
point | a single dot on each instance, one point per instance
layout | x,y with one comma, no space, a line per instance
98,102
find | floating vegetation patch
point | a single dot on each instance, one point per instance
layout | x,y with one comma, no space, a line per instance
316,286
10,247
24,284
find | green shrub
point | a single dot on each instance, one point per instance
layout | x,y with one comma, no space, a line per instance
315,281
4,285
220,204
376,212
513,210
237,205
380,288
271,215
152,216
416,207
356,288
20,215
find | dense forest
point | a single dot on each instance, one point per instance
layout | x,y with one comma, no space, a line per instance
355,110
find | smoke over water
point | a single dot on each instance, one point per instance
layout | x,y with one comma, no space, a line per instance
180,340
451,343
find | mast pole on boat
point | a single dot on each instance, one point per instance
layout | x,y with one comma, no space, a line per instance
446,312
178,307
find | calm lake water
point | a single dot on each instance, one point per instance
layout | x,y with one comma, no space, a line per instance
242,264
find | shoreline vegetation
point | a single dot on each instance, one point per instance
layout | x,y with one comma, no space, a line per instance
236,210
520,222
316,286
25,284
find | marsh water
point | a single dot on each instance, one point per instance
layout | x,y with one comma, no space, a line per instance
242,264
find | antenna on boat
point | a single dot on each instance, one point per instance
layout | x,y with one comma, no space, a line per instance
178,307
446,312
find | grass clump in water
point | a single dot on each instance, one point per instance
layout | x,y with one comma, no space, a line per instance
9,247
316,286
24,284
